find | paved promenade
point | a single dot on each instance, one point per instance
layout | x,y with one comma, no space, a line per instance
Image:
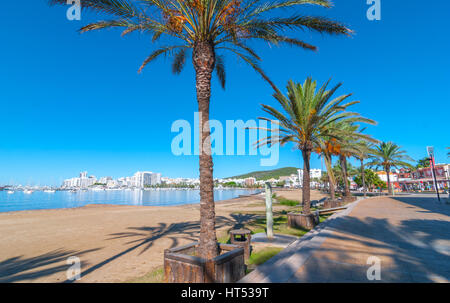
410,236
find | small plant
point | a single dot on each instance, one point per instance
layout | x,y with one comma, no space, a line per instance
280,226
259,257
263,255
287,202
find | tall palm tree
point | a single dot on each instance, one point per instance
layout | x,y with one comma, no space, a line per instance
208,27
308,117
389,155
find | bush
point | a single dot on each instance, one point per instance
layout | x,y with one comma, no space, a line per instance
287,202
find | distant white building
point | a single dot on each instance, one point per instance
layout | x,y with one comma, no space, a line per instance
104,180
139,179
155,179
82,182
313,173
142,178
316,173
146,178
112,183
393,177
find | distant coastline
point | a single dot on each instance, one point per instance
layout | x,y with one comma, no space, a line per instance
42,200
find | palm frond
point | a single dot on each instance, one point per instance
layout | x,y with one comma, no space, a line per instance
220,70
119,8
179,61
157,53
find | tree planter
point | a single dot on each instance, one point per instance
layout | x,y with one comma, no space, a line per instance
332,203
302,220
181,265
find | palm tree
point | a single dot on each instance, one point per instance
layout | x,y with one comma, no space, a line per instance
327,149
424,162
346,139
349,140
389,155
309,118
208,27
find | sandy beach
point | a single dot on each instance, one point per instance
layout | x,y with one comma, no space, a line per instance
114,243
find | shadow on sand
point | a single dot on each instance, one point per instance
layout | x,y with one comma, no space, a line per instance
143,237
19,268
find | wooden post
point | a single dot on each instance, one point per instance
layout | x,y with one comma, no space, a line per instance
269,216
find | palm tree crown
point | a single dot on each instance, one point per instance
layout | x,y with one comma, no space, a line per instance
389,155
224,25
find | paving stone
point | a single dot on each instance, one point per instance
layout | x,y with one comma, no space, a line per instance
409,235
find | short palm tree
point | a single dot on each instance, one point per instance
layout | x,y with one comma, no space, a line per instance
388,155
308,117
424,162
209,27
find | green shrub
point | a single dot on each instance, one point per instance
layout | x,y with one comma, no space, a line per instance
287,202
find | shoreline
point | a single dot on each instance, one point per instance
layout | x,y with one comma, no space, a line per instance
104,205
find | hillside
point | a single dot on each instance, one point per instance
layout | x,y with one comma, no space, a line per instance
268,174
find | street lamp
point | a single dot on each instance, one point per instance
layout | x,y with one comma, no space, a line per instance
430,150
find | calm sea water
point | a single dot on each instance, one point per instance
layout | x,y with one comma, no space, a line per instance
64,199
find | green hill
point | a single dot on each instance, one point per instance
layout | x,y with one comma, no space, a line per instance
269,174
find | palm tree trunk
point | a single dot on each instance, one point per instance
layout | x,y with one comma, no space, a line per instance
388,181
343,161
306,199
203,58
363,176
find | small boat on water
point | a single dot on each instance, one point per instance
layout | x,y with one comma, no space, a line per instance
27,191
50,191
10,191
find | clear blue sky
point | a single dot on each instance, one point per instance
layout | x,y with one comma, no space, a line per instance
72,102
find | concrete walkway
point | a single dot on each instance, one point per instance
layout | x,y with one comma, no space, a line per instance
409,235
